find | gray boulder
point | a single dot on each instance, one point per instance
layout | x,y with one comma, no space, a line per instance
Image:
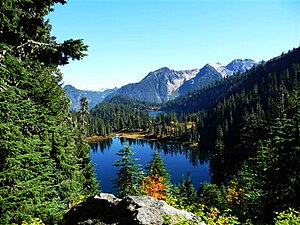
106,209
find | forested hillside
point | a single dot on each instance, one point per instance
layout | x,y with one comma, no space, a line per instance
44,160
234,104
108,117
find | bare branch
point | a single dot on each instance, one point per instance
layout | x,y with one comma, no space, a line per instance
35,43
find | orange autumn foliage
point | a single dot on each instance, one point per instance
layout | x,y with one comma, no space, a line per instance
154,187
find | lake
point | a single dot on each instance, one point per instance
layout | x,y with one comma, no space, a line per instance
155,113
178,160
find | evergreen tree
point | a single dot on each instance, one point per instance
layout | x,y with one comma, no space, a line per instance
217,158
271,178
211,195
187,190
157,167
40,159
83,112
129,174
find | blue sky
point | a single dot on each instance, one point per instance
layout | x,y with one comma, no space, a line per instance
128,39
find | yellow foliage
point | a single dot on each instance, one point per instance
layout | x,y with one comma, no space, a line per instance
74,203
234,194
34,221
81,198
214,213
154,187
201,206
190,124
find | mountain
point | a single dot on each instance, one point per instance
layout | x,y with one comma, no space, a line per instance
93,97
158,86
251,122
239,65
207,75
211,73
165,84
206,98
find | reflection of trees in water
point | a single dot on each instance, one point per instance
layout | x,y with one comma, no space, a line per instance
196,157
94,146
101,145
130,141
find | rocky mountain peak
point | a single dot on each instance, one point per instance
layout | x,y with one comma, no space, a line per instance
164,84
158,86
241,65
163,70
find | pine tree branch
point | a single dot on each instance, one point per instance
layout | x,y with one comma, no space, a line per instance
35,43
29,42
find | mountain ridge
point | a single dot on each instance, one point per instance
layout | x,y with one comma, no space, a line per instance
211,73
158,86
165,84
198,99
93,97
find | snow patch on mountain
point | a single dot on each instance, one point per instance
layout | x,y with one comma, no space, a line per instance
221,69
174,84
241,65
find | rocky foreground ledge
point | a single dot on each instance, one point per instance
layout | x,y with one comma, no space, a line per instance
106,209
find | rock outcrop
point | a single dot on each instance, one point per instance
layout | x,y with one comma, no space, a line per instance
106,209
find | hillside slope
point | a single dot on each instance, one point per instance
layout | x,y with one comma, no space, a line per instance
93,97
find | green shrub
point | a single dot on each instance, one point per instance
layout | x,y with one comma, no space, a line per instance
288,217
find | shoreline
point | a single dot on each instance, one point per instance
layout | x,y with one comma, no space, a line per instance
142,135
95,138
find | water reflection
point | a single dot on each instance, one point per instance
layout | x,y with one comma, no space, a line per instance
196,157
102,145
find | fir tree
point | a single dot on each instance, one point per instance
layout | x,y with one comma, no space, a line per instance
157,167
187,190
129,174
158,179
271,178
40,159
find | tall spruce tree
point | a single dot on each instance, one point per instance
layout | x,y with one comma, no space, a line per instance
129,174
41,164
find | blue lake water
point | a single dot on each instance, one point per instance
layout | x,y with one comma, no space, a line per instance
179,161
154,113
